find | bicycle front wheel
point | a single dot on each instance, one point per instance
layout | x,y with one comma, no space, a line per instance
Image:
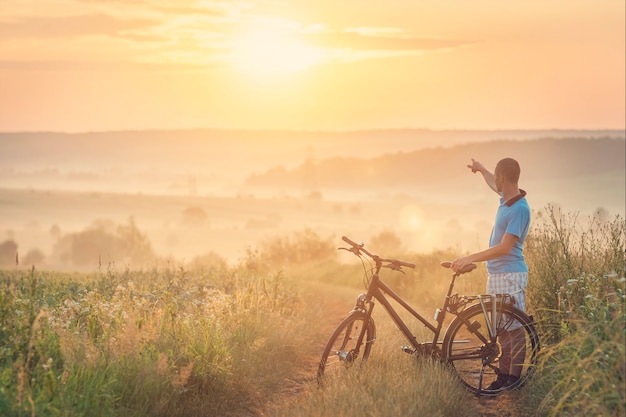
481,345
350,344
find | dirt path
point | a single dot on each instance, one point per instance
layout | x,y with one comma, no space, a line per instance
501,406
329,304
333,303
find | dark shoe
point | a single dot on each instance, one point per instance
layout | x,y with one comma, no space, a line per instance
501,382
512,380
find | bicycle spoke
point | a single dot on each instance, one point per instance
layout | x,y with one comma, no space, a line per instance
478,363
342,350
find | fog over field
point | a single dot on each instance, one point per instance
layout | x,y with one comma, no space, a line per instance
195,192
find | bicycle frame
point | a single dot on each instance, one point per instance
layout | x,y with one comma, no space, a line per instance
477,342
378,290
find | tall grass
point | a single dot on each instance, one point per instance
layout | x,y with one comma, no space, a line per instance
390,383
244,340
158,343
577,289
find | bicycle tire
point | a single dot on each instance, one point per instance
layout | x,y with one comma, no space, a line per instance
341,350
476,359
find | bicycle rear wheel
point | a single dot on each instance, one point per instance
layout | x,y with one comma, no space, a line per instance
343,349
478,358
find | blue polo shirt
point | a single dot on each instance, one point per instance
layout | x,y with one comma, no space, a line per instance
513,217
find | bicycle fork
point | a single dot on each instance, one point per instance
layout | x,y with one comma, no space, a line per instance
360,307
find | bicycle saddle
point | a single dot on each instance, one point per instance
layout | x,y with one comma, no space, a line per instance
466,268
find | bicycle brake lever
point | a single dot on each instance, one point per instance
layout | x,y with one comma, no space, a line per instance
352,250
395,267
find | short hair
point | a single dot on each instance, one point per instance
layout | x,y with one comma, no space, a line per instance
509,169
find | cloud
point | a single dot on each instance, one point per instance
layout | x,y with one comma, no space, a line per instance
150,35
195,11
366,41
71,26
146,40
84,65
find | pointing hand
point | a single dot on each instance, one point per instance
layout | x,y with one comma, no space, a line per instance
476,166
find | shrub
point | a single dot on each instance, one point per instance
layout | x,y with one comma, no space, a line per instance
302,247
8,253
562,247
387,242
577,289
96,244
33,257
585,372
194,216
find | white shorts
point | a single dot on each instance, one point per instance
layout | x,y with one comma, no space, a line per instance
512,283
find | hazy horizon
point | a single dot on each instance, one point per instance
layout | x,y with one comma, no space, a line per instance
198,199
215,162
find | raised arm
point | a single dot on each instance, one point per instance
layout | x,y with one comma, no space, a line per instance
490,179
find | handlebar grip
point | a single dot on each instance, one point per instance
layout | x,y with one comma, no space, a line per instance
407,264
345,239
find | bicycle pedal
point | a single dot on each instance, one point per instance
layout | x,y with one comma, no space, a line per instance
408,349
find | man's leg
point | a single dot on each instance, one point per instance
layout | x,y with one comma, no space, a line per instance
511,363
504,363
517,341
504,337
513,355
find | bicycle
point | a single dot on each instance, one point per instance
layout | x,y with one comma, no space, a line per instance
472,345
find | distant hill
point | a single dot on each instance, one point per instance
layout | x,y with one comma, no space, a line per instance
576,174
265,163
212,149
547,159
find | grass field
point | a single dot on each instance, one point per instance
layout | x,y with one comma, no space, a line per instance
243,339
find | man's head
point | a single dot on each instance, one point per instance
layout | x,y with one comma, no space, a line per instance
507,170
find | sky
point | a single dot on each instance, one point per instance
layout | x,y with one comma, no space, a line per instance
94,65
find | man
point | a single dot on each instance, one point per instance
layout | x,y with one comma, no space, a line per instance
507,270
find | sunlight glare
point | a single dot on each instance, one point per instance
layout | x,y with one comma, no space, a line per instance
411,218
267,53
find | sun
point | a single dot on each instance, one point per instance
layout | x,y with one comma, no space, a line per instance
268,53
411,218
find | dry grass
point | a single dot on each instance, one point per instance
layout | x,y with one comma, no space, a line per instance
390,383
244,340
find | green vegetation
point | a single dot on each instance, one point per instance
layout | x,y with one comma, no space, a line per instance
578,291
152,343
241,340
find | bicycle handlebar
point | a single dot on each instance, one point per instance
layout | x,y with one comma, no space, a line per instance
395,264
358,248
347,240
